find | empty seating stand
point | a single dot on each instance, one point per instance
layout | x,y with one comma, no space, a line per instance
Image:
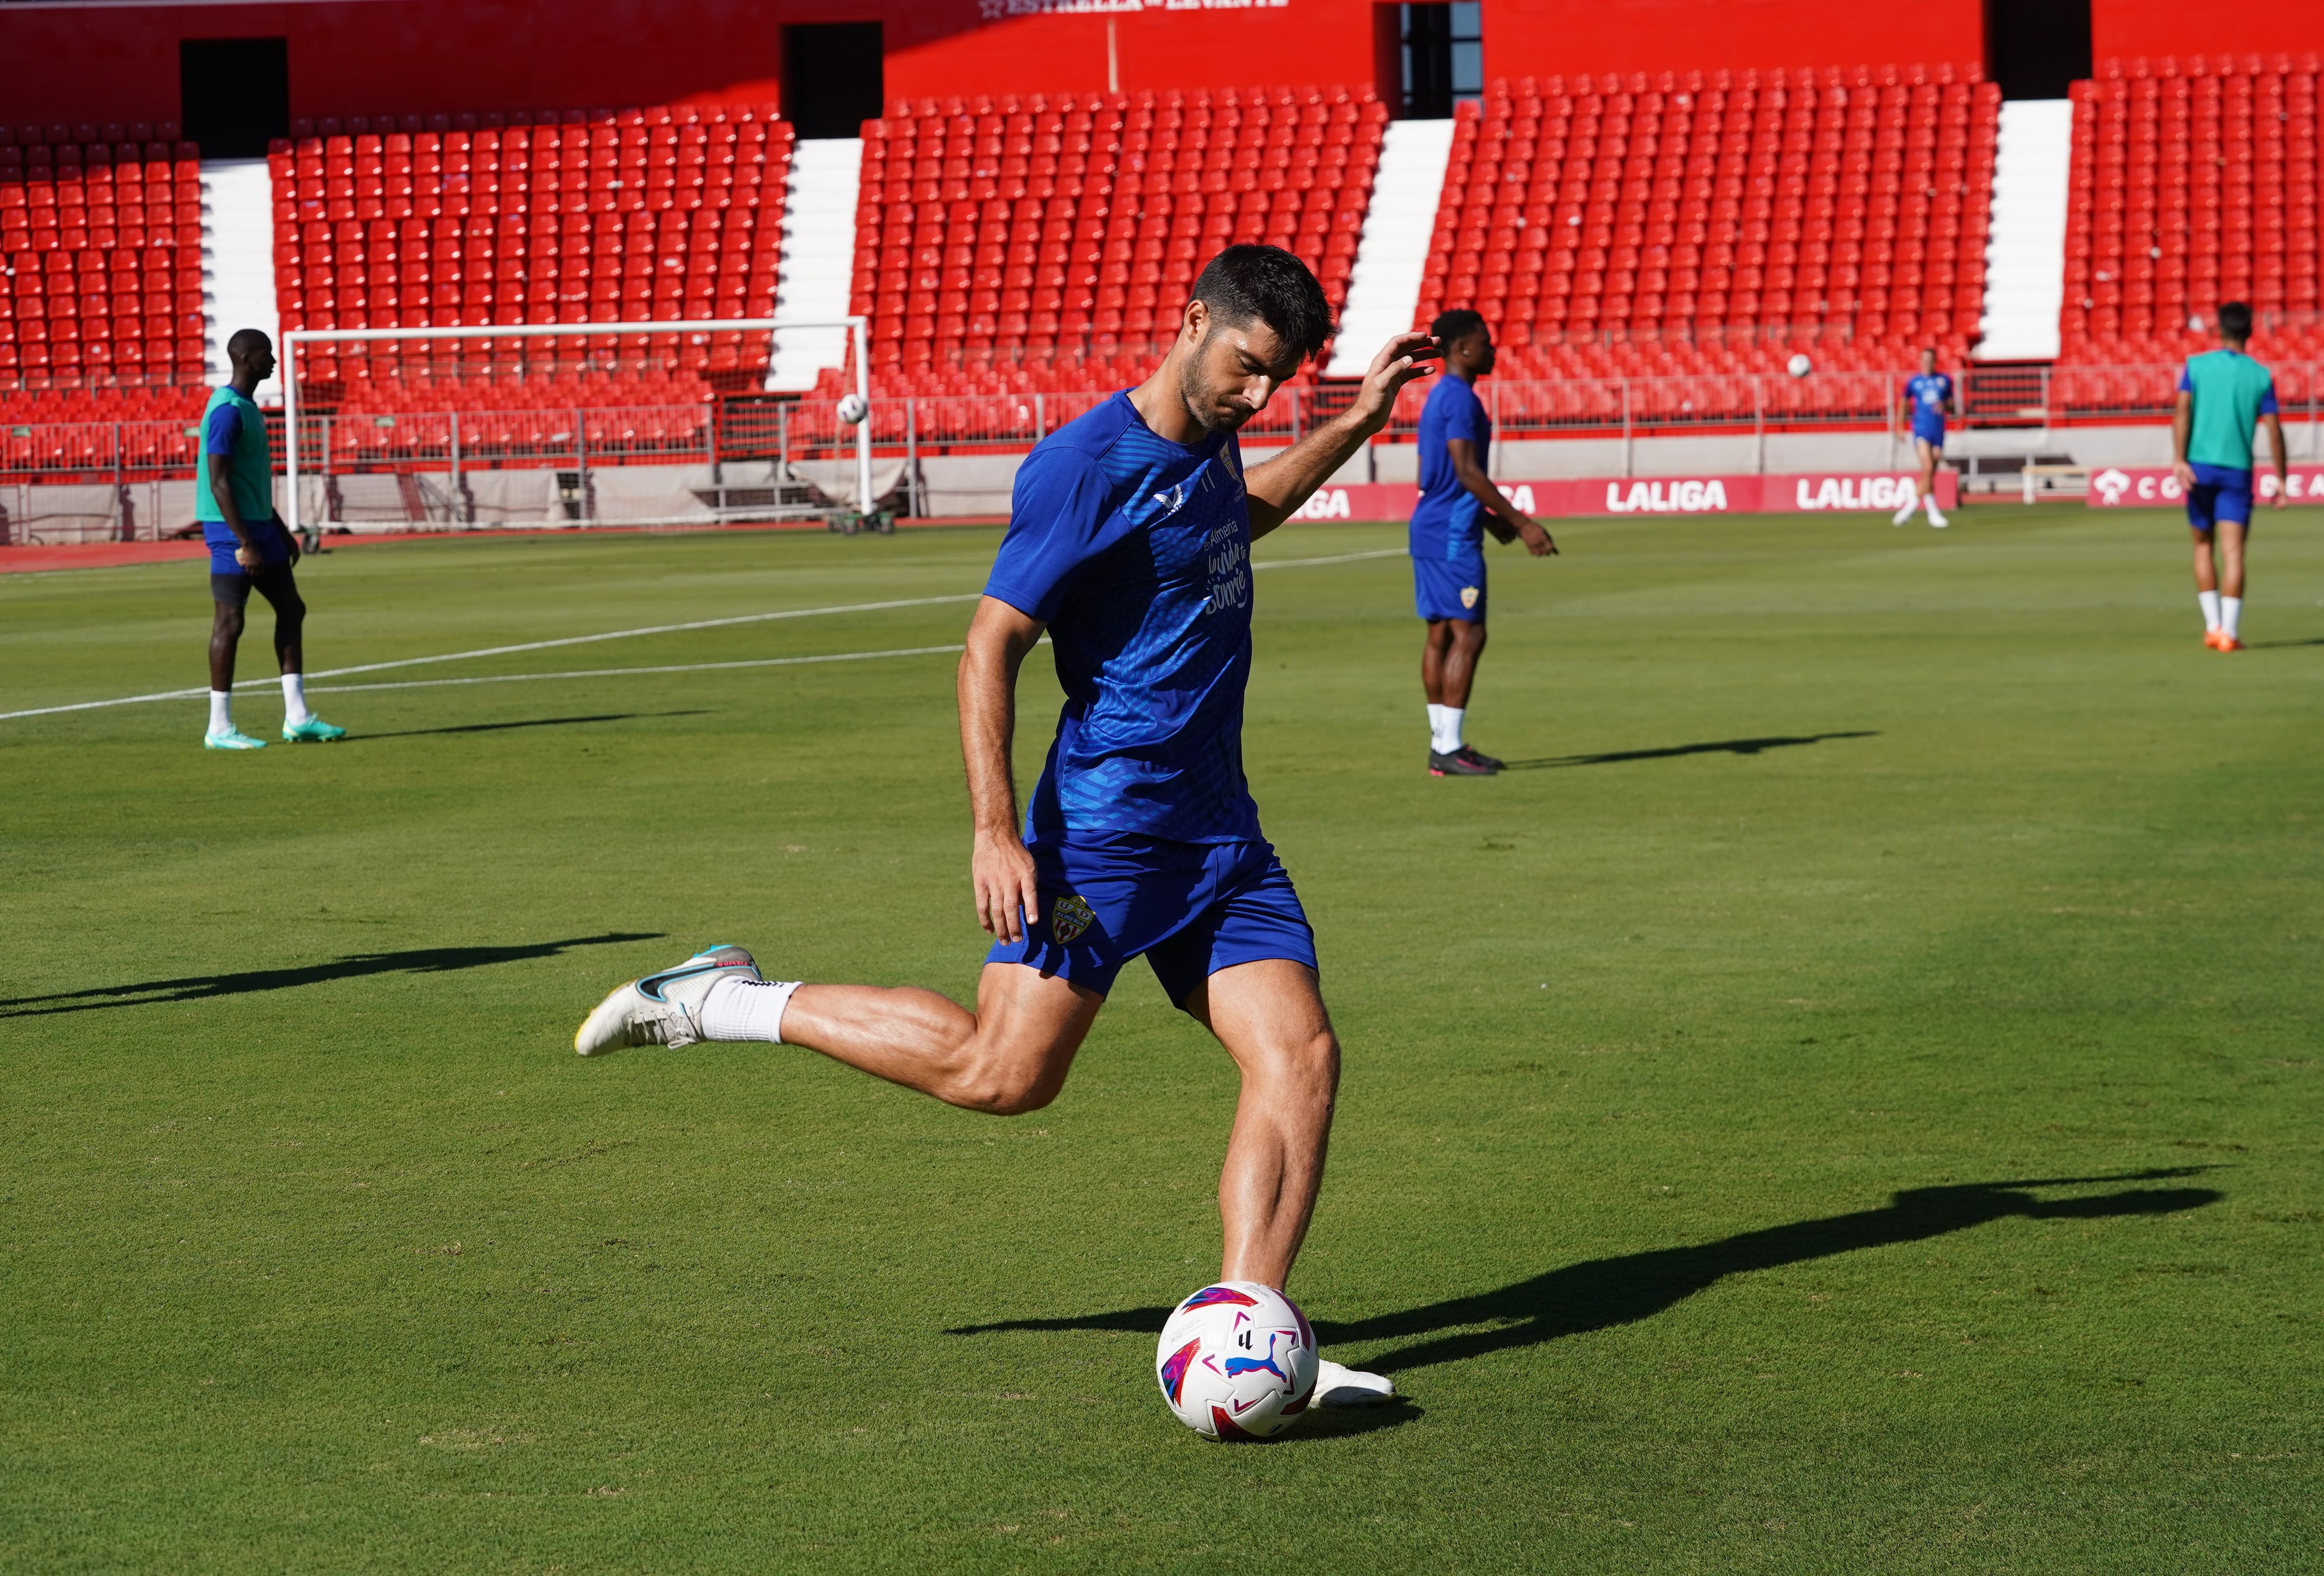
100,229
572,216
1710,223
2194,183
1030,242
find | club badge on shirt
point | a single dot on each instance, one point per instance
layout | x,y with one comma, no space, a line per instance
1468,596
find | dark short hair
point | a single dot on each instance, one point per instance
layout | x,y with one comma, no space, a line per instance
1252,283
1456,324
2234,320
246,340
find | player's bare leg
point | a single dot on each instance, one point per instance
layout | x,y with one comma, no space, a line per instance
1449,653
1270,1017
1008,1056
2219,583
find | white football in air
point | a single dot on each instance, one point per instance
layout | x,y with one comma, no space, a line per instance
1237,1360
853,409
1799,366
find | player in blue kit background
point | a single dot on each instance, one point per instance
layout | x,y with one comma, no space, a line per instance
250,549
1458,505
1929,395
1129,544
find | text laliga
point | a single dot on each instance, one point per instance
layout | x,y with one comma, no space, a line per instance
1689,497
1855,492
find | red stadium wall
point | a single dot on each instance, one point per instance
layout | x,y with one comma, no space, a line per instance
109,63
1533,37
2167,27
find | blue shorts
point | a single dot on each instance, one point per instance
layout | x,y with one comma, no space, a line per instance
272,537
1932,433
1450,588
1193,908
2219,492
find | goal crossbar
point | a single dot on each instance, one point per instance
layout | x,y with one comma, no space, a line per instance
858,328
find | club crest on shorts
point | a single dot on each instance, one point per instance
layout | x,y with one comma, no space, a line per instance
1468,594
1069,916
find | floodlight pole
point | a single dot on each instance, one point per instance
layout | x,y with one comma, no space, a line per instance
859,327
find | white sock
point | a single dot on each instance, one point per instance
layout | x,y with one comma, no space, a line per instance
1451,742
746,1010
221,711
2210,603
1435,723
294,700
2231,615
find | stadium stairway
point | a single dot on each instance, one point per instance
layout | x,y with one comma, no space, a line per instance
818,259
2025,257
1392,256
237,263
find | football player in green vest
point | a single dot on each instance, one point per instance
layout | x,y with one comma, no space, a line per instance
2223,394
250,549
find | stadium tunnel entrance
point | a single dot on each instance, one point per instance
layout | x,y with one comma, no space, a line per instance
2037,49
234,94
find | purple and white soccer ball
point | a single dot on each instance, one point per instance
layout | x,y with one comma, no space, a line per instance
853,409
1237,1360
1799,366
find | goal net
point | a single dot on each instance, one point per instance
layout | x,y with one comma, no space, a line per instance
566,424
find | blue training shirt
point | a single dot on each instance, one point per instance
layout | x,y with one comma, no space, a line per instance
1448,521
1931,396
1136,552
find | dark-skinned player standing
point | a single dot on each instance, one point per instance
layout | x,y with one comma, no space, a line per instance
250,548
1458,504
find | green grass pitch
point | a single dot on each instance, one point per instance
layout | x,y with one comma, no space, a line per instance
1850,1102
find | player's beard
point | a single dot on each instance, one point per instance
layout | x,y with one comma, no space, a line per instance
1215,415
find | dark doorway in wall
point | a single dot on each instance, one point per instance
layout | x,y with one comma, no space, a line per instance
1444,57
2036,48
831,77
234,94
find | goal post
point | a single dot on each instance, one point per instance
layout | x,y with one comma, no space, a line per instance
310,340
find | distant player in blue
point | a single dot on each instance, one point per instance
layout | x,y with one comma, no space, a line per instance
1129,544
1458,505
2223,395
233,499
1928,396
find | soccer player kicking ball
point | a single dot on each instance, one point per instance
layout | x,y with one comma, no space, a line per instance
250,549
2223,394
1930,395
1128,542
1458,504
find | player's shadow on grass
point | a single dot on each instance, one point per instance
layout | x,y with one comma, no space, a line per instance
2279,645
1710,746
527,722
1602,1292
426,960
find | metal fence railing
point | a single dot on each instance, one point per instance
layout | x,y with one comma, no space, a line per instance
783,430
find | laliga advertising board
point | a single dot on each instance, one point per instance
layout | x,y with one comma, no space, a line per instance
1852,493
2154,487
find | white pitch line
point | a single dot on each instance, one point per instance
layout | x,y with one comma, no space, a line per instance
707,623
624,672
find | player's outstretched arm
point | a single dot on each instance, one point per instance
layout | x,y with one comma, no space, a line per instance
1000,870
1283,484
1501,516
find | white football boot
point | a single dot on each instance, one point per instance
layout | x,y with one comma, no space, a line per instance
1937,520
663,1009
1903,516
1337,1384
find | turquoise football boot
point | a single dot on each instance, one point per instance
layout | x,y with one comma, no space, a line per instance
232,739
313,731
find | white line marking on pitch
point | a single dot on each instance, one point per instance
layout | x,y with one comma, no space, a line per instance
621,672
707,623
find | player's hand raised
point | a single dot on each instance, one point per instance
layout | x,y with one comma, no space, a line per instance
1007,891
1402,359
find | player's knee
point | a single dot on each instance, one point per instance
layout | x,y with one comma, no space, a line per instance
1009,1090
227,622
